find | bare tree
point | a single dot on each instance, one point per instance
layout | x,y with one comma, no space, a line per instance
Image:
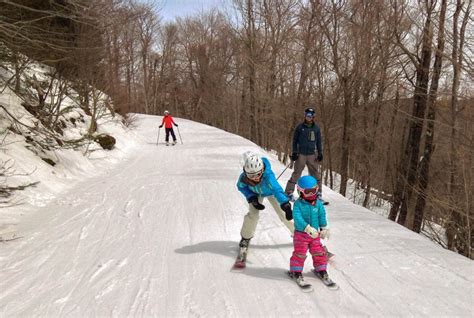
250,55
409,164
459,226
431,117
147,24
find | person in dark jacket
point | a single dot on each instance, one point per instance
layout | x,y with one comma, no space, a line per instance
307,150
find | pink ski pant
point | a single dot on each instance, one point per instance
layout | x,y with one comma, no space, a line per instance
302,242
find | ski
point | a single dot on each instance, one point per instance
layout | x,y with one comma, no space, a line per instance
304,286
329,254
326,280
241,260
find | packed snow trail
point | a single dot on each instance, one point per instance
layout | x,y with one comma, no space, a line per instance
158,234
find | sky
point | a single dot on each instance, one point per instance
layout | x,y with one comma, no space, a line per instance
170,9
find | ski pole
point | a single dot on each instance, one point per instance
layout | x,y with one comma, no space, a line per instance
158,138
284,170
179,135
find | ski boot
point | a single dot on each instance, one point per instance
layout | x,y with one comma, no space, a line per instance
243,249
244,243
240,262
322,274
324,277
298,278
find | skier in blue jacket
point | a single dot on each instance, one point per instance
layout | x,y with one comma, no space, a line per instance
256,182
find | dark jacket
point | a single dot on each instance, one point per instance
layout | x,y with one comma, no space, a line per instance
306,139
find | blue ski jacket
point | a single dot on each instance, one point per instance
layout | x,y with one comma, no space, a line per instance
268,186
305,213
307,139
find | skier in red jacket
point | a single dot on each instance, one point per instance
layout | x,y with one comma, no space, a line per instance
169,122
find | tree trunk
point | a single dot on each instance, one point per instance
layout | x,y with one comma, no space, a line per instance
429,147
252,73
419,107
345,137
458,231
396,200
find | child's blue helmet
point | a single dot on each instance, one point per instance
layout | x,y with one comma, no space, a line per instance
307,182
308,188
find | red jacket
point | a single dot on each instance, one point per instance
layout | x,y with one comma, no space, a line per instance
168,121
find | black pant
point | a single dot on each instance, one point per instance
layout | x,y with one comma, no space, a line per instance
168,131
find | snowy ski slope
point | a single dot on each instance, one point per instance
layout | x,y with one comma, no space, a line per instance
157,236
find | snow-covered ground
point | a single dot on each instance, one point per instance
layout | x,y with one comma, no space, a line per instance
71,166
157,233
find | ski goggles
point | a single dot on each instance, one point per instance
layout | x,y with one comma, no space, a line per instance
310,191
254,175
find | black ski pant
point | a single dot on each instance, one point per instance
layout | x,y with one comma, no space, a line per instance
168,131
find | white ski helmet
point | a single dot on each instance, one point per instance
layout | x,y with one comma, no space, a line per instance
167,112
244,157
253,164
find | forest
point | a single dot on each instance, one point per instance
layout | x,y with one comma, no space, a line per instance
391,82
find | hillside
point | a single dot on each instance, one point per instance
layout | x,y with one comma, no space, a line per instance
50,140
